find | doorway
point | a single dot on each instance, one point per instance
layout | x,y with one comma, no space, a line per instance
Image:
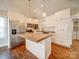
74,50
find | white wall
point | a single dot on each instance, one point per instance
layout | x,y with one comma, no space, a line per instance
3,13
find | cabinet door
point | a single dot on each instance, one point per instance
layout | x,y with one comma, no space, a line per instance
63,33
62,30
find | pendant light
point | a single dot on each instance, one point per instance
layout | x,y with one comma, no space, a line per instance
44,14
29,10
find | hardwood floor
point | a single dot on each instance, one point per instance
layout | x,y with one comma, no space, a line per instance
74,51
58,52
17,53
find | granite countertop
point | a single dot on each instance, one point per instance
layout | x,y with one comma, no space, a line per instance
37,37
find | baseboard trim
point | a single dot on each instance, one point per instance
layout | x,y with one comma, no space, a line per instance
3,45
76,40
60,45
48,55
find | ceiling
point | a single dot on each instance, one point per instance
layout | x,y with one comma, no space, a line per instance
51,6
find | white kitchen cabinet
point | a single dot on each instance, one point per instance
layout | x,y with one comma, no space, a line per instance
49,23
63,28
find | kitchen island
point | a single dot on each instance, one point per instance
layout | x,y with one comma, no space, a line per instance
38,44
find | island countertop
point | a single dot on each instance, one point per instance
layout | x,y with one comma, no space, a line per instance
37,37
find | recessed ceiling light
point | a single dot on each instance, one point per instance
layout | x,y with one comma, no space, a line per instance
30,19
42,5
34,10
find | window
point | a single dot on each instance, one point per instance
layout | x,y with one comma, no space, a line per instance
2,27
